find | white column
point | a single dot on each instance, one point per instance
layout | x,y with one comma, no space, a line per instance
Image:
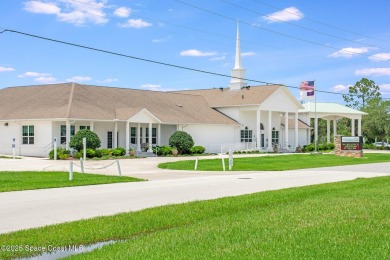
286,130
327,130
150,138
159,134
67,134
296,130
270,130
359,127
115,134
127,137
143,134
352,127
334,127
91,126
258,144
139,137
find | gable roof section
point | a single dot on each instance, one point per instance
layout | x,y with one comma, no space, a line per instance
76,101
331,110
243,97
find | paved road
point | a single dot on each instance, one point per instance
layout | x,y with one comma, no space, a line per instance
27,209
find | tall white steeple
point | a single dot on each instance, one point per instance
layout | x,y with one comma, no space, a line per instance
238,73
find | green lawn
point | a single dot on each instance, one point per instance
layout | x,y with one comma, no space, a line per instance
345,220
276,163
13,181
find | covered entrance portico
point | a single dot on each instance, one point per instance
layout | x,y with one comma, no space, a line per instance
332,111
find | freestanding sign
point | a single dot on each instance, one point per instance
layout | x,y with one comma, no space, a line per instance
352,143
351,146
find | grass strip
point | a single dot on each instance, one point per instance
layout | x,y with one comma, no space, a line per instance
276,163
345,220
30,180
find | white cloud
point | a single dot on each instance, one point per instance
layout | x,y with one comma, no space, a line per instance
33,74
122,12
4,69
218,58
249,53
46,80
74,12
339,88
108,80
380,57
155,87
41,8
385,87
287,14
79,79
136,23
161,39
373,72
349,52
196,53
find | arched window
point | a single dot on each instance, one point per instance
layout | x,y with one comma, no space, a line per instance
275,136
246,135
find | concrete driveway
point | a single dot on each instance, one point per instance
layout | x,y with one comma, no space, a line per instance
35,208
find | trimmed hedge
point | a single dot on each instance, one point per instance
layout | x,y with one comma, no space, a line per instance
182,141
93,140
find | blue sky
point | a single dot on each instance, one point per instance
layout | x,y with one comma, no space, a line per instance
335,43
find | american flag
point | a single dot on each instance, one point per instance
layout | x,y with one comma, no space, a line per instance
307,89
307,85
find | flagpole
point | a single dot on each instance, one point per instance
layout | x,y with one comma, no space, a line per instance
315,120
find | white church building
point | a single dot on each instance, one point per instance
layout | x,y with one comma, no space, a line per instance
238,117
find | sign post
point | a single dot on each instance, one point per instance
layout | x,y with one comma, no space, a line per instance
230,159
13,148
55,148
85,148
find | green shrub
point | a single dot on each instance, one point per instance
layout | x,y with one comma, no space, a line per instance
182,141
118,151
329,146
62,154
308,148
78,155
197,149
90,153
98,153
93,141
162,150
105,152
369,146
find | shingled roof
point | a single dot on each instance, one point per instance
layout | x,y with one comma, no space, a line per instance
75,101
223,97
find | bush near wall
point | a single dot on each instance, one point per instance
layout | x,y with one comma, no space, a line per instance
182,141
197,149
62,154
320,147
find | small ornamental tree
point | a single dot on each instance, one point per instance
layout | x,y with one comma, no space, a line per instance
182,141
93,140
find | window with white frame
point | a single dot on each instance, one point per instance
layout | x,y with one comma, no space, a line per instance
28,134
133,135
275,136
154,135
82,127
63,133
246,135
109,139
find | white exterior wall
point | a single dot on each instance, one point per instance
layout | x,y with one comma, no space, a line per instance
302,136
42,138
166,132
213,136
